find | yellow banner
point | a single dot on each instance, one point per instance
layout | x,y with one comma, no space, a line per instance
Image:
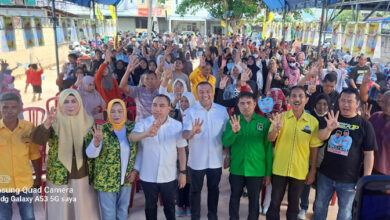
112,10
373,31
99,14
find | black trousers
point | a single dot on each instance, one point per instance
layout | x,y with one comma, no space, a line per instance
183,199
151,191
295,188
253,185
213,179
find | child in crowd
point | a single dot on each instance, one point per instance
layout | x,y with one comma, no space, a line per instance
36,80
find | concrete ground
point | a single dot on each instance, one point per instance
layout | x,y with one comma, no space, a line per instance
49,89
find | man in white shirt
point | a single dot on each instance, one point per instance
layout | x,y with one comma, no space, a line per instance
203,125
159,136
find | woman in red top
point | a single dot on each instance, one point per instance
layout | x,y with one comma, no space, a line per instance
106,85
36,80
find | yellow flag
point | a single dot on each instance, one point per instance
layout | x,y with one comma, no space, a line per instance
271,17
99,14
112,10
223,24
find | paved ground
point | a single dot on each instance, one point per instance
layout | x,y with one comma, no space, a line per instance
137,211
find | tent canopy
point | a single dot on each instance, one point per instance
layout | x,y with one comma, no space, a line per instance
87,3
279,5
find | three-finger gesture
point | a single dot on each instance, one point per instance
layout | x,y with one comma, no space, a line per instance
197,126
366,111
331,120
223,82
235,123
277,121
97,132
51,118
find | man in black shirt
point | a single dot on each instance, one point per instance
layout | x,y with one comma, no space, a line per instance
327,87
357,73
351,143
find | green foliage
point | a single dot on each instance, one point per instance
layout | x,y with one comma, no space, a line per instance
346,16
217,8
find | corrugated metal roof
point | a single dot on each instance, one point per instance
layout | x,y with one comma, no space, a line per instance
87,3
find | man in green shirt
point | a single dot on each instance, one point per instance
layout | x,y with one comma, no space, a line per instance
251,155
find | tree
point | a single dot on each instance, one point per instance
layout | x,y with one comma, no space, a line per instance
346,16
230,11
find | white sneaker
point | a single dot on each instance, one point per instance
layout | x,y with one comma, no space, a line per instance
265,210
302,214
261,210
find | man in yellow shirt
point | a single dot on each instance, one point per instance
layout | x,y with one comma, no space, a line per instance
296,136
201,74
16,152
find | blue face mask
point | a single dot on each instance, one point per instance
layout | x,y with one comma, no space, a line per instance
230,66
306,62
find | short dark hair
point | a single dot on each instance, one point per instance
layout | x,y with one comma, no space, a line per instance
331,77
209,63
34,66
163,96
351,90
204,83
150,73
247,95
10,96
213,50
98,51
72,55
299,88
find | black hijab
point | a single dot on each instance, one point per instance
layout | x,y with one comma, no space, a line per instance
254,68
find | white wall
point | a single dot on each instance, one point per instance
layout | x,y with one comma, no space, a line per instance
126,24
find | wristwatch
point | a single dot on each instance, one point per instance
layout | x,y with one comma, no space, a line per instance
183,172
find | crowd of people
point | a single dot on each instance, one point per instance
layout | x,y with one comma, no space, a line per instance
280,115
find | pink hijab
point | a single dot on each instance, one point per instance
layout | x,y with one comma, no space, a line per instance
91,100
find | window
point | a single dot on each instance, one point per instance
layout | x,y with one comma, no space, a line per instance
141,22
142,1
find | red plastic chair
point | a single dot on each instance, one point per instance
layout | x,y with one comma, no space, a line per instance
50,101
131,113
35,115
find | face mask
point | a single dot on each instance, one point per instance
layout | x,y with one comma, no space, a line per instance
230,66
11,86
255,56
306,63
293,65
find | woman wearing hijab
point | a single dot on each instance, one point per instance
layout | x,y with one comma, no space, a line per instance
321,109
106,85
66,172
113,158
179,87
93,102
140,70
183,200
120,69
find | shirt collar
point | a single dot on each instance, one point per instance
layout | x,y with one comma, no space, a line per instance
2,125
304,116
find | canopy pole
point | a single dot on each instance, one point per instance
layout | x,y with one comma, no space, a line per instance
150,20
55,35
321,26
94,18
326,23
284,21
